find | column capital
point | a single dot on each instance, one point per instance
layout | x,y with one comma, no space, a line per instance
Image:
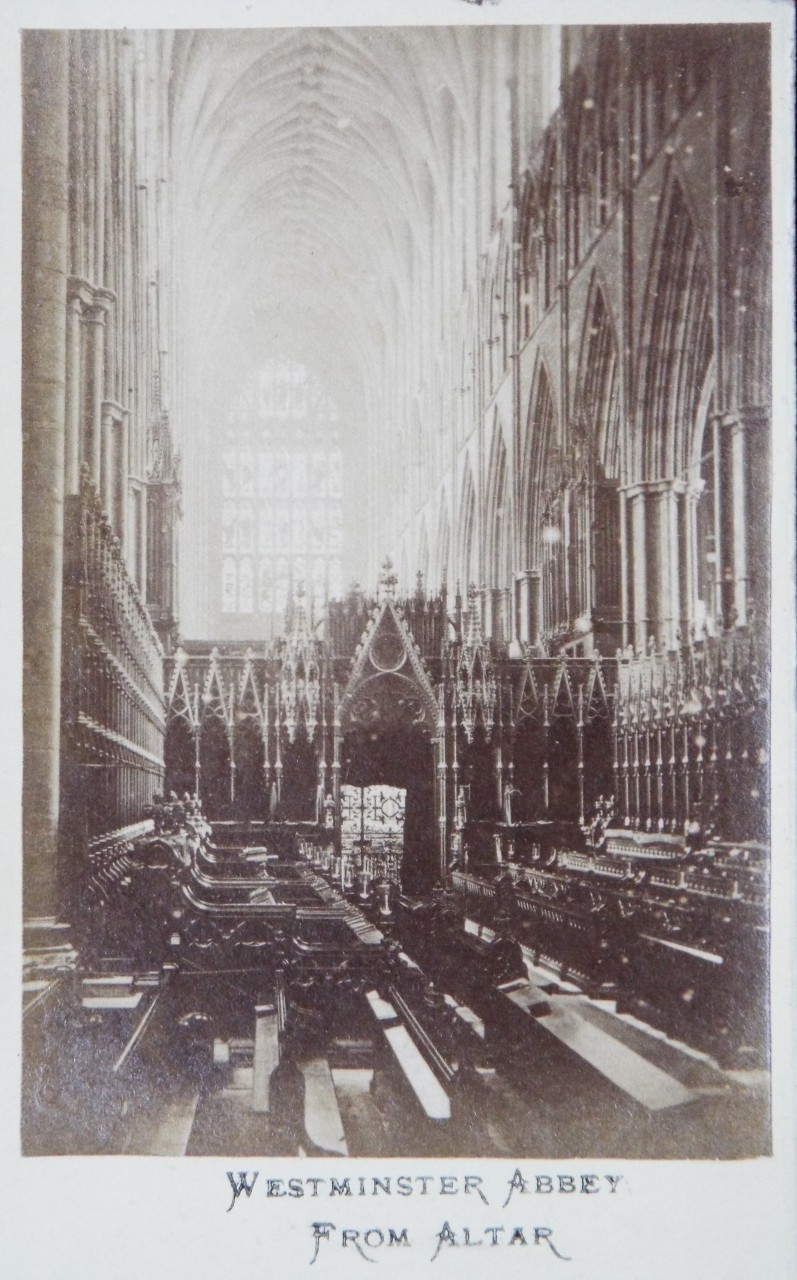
75,304
91,301
673,484
740,417
113,412
728,418
79,291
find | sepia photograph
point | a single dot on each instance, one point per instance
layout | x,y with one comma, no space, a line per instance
396,469
397,605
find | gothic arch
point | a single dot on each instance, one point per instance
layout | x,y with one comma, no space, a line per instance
498,513
468,533
598,385
538,462
677,337
594,533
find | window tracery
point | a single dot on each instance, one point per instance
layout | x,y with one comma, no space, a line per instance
282,494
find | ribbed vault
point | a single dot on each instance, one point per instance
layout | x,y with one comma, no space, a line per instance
313,173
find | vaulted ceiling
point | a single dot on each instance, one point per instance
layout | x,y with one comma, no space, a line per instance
321,179
308,168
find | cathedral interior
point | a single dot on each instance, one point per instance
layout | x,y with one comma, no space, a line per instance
396,411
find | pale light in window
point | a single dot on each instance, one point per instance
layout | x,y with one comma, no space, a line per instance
282,484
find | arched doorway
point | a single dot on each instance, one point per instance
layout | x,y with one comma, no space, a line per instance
395,755
389,717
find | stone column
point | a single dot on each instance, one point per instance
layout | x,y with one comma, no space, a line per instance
690,620
518,624
45,83
142,536
113,473
738,455
658,569
78,298
106,476
523,588
486,612
501,631
639,576
94,319
752,461
535,606
667,601
120,480
653,525
625,572
681,574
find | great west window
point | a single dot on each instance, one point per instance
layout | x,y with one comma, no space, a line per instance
282,489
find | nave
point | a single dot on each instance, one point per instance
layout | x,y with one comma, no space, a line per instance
396,473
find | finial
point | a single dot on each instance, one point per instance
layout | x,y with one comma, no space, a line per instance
387,578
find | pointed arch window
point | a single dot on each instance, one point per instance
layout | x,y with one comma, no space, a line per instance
282,493
680,345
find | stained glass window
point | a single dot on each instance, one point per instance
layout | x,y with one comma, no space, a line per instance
282,494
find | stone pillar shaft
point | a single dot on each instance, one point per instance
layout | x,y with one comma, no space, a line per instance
94,320
624,571
45,82
120,483
73,424
639,569
535,606
106,476
523,589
